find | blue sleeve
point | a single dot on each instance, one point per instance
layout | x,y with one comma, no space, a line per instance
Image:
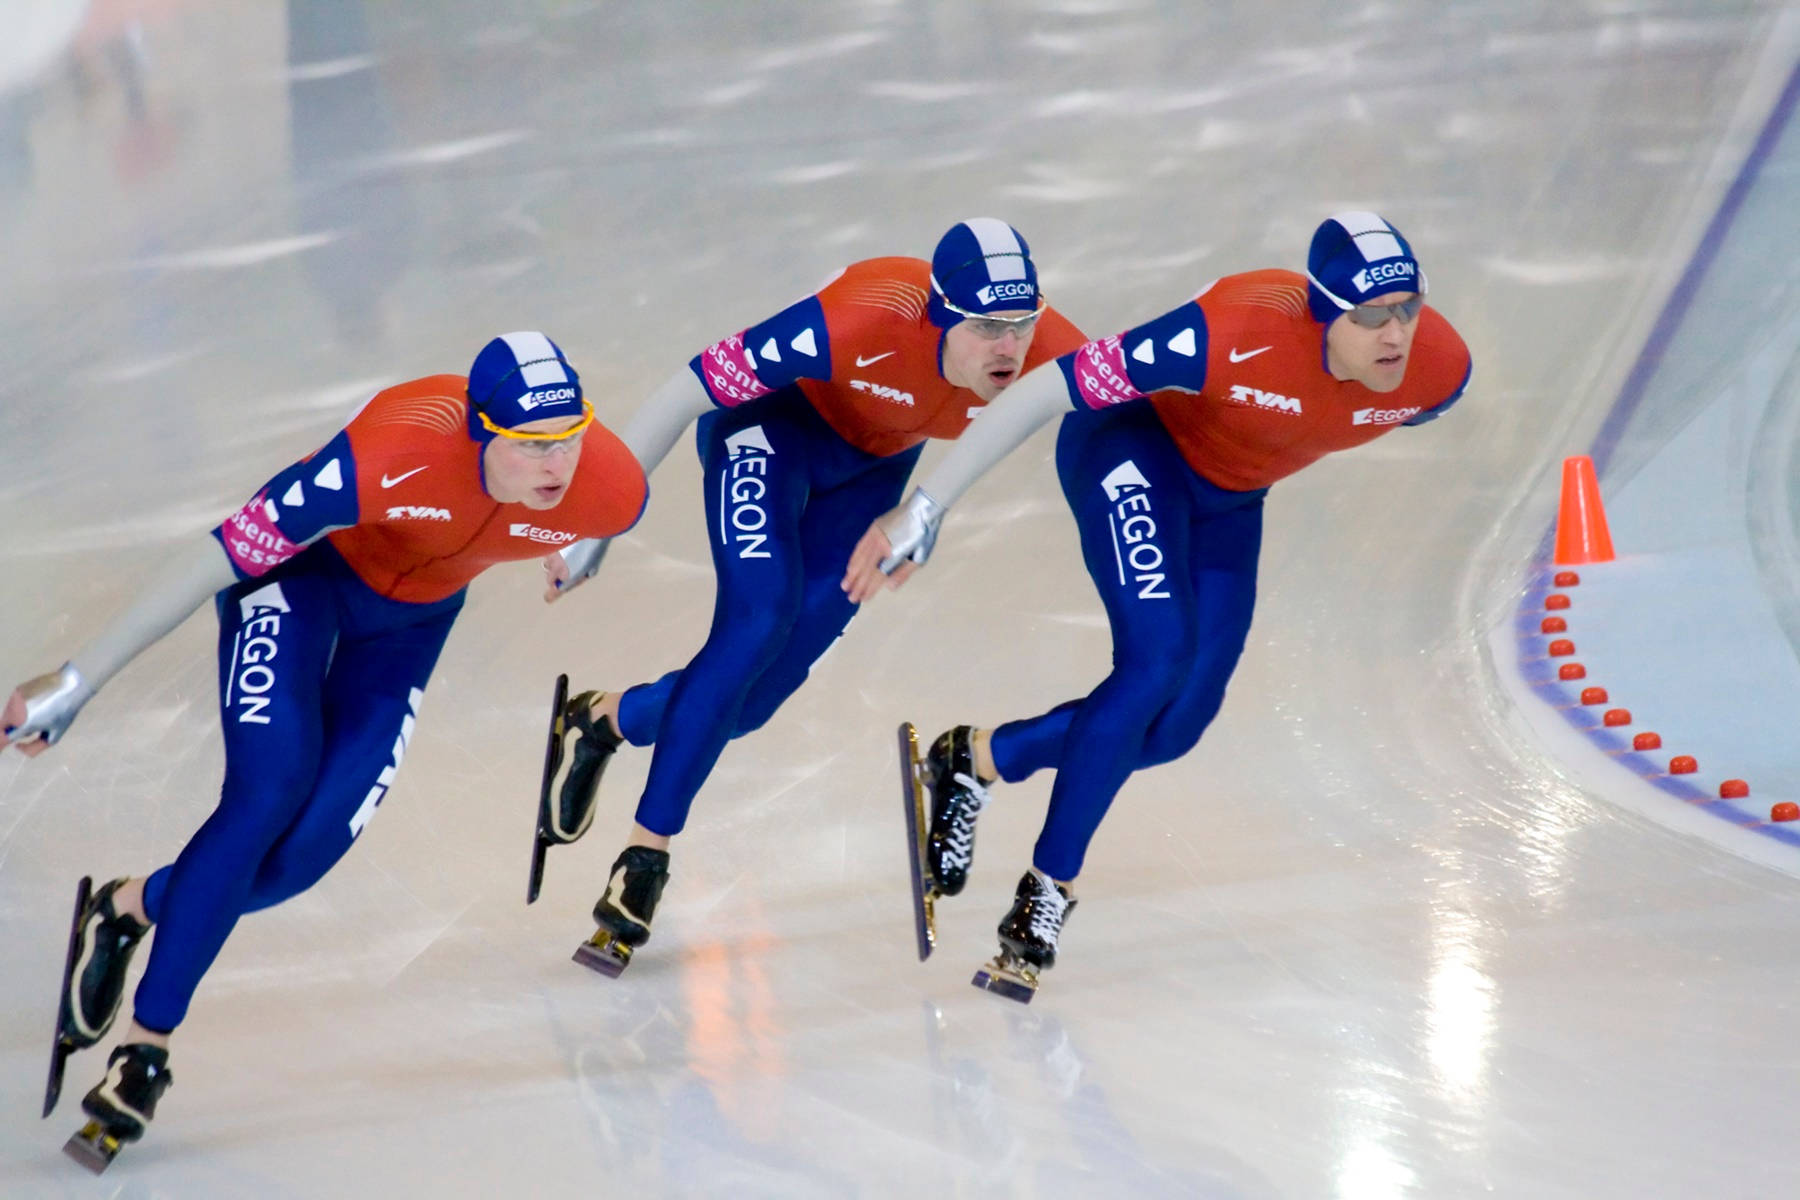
791,345
316,495
1438,410
1169,352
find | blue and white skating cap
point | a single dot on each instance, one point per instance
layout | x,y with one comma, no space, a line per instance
520,377
982,265
1356,255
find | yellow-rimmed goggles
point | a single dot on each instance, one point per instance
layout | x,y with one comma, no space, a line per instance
541,445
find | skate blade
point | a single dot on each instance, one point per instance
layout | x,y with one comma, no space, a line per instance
59,1058
1007,976
93,1147
924,888
604,953
63,1046
553,757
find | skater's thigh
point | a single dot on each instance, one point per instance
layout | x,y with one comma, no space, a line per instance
1226,548
1126,486
275,642
372,699
757,477
829,528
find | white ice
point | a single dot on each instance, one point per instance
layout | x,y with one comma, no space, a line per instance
1369,940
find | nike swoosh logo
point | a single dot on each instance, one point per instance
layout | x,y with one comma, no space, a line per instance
1237,358
863,362
388,483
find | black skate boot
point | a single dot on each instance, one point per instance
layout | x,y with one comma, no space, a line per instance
566,798
957,797
587,762
624,913
1028,937
101,941
121,1105
106,939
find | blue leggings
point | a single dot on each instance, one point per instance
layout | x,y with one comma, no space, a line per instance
786,501
320,681
1174,559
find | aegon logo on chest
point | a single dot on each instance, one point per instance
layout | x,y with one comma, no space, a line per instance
1244,394
549,537
1382,416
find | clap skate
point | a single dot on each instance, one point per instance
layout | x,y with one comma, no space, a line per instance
101,942
121,1105
1028,937
625,911
942,852
565,812
924,888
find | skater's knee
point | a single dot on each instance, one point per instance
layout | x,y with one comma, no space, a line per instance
757,712
745,645
1177,730
290,868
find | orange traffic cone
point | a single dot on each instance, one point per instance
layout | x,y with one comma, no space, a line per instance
1581,533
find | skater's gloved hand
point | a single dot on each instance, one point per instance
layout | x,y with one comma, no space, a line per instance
40,709
572,566
896,545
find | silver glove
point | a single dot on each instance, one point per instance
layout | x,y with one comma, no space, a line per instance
51,704
911,529
584,558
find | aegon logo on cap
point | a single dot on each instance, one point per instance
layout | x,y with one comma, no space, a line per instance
531,400
1006,291
1389,272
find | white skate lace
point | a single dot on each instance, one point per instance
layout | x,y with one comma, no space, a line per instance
960,845
1047,912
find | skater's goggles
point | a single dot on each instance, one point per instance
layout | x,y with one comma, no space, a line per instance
1374,316
542,445
991,328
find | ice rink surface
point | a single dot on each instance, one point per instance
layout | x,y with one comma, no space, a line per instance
1366,941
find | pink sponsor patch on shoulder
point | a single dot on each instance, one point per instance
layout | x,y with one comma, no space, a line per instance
1100,374
730,372
252,541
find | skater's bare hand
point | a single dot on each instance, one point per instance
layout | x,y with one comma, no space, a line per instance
556,578
13,717
864,579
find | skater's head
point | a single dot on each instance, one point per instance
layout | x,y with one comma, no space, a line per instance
1365,285
527,413
984,295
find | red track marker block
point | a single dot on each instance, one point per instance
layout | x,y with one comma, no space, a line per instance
1787,810
1561,648
1733,789
1593,695
1556,600
1566,579
1617,716
1570,671
1647,741
1683,764
1554,625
